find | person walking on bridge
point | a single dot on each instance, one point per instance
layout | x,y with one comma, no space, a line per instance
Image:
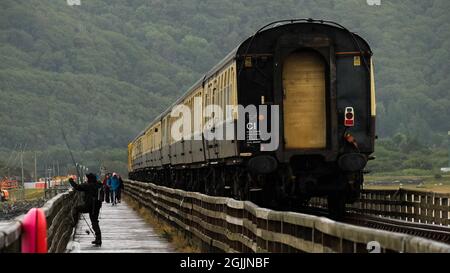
93,195
114,184
120,189
106,187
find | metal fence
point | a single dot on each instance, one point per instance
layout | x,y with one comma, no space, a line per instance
55,190
227,225
16,194
19,194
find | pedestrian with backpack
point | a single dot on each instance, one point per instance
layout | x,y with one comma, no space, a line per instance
114,184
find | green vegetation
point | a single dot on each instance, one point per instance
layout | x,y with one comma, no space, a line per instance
30,194
34,194
403,155
106,68
422,182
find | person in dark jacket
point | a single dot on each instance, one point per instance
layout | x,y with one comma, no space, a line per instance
106,187
119,190
92,203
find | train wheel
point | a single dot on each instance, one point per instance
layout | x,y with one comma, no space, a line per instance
240,185
189,180
208,181
220,183
336,206
214,181
198,187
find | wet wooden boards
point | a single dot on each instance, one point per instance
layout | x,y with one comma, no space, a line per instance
123,231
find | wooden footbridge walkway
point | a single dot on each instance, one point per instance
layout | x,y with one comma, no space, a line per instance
123,231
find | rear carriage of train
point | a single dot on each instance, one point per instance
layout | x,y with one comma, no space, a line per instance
322,78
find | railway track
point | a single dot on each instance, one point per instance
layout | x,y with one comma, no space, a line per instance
432,232
438,233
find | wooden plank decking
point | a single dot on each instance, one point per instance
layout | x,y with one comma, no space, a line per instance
123,231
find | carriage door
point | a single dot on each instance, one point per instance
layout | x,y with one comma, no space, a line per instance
304,101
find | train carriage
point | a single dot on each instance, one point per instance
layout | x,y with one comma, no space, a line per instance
320,77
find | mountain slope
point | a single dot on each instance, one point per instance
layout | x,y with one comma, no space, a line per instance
107,67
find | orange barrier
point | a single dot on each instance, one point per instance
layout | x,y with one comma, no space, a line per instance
39,185
9,184
34,232
4,195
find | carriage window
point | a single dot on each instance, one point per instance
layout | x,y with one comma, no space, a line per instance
165,132
200,111
192,114
205,105
158,136
219,91
233,91
168,133
149,142
152,139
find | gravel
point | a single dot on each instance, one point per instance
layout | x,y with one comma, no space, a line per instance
9,210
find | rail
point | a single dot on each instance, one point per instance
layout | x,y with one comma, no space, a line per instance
432,232
59,229
227,225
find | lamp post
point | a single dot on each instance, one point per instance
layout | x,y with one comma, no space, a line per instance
449,149
78,173
84,173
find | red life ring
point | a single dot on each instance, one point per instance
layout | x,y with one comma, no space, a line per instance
34,232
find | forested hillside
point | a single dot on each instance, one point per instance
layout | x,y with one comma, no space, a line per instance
106,68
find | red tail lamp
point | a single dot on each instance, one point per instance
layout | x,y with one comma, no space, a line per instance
349,120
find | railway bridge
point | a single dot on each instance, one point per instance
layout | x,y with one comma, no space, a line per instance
220,224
